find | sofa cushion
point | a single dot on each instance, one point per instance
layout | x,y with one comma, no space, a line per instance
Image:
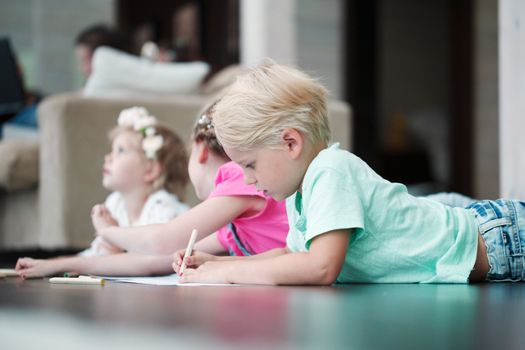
117,74
18,164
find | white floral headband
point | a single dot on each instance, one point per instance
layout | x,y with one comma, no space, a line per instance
141,121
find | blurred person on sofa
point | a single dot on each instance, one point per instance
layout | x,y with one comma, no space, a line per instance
86,42
92,38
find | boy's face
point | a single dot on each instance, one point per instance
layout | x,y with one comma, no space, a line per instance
273,171
125,166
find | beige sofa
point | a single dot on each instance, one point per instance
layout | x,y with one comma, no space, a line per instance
73,142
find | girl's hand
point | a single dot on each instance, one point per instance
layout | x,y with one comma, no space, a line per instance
209,272
31,268
195,260
101,218
103,247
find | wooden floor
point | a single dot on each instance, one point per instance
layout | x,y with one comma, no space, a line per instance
37,315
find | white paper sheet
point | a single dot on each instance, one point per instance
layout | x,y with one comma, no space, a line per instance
168,280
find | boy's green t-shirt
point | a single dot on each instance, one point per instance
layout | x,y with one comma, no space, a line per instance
396,237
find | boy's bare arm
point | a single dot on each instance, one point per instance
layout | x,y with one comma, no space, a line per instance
266,255
319,266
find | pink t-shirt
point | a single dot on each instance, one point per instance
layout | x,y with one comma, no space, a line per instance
257,233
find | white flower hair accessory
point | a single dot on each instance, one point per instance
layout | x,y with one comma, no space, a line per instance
151,144
142,122
129,116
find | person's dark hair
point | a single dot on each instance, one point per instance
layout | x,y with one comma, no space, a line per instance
101,35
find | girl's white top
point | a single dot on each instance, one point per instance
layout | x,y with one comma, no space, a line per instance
160,207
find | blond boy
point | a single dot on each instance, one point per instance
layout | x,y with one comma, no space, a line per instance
347,224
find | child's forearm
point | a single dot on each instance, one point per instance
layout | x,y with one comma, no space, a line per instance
125,264
319,266
128,238
288,269
150,239
270,253
266,255
207,217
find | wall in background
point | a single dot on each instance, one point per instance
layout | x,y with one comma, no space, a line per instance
485,111
268,30
414,48
320,41
414,84
305,33
511,97
43,34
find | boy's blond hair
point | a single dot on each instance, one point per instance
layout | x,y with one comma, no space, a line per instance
265,101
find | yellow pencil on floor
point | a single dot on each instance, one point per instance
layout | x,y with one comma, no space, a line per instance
189,249
9,272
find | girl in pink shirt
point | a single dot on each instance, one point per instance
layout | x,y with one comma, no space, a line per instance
253,234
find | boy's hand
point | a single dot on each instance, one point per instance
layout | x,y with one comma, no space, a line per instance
209,272
195,260
31,268
101,218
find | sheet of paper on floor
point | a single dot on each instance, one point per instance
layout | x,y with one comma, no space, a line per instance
168,280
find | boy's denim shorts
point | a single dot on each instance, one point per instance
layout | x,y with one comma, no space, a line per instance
502,226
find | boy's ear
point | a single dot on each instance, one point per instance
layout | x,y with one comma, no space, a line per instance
153,171
293,142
